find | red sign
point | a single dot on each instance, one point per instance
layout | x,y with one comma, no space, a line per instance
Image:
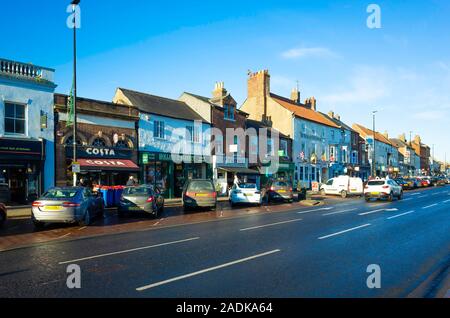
109,164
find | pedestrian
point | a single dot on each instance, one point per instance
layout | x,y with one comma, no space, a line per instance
236,180
82,183
131,182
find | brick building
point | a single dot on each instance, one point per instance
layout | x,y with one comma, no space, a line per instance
106,137
424,153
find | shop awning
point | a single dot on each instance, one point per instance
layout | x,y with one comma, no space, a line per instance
239,170
110,164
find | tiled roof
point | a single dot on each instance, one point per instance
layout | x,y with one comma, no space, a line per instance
302,111
161,105
210,102
366,132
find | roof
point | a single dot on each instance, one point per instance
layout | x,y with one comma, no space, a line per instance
209,101
160,105
398,143
338,122
368,132
260,124
300,110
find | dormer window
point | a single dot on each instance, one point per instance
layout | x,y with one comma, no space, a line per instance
228,111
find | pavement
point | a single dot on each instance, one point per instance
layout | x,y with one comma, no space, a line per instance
280,250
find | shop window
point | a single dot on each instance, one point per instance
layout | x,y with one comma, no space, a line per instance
69,141
122,144
192,134
99,142
15,119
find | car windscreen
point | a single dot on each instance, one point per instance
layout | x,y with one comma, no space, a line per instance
200,186
376,183
281,184
247,186
137,191
60,194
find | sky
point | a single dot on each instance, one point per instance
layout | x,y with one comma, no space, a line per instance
167,47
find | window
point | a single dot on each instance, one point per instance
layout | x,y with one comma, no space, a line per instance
228,112
122,144
158,129
332,134
69,141
284,147
99,142
192,134
15,119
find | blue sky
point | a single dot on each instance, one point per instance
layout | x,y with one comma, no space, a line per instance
167,47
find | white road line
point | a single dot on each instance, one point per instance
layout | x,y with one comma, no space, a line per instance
446,201
316,210
399,215
127,251
337,212
436,193
267,225
430,206
409,199
65,235
422,196
371,212
415,194
164,282
345,231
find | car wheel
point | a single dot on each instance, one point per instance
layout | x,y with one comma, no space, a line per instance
101,212
86,221
37,224
232,204
400,196
390,197
323,193
367,199
344,194
2,219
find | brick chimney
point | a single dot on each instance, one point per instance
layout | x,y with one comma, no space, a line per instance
331,114
311,103
219,91
295,96
402,137
258,88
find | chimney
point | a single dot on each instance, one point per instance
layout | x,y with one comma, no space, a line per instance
331,114
402,137
337,117
417,140
258,88
295,96
311,103
219,90
386,134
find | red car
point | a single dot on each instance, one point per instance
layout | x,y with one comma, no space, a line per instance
2,214
425,182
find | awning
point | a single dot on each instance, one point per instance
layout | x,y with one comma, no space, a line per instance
239,170
110,164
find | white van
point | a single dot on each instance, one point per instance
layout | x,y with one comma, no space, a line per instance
343,186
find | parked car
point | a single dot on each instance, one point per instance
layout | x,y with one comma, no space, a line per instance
5,193
67,205
411,183
278,191
141,199
199,193
425,182
245,193
343,186
441,181
401,182
383,189
3,214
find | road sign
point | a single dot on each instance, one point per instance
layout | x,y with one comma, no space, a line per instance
76,168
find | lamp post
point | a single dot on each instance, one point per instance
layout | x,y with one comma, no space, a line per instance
374,163
74,4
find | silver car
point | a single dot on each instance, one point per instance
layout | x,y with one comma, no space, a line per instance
67,205
141,199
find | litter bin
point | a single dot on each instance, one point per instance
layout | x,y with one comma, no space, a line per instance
118,190
104,192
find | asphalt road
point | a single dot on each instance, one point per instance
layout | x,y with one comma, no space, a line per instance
305,252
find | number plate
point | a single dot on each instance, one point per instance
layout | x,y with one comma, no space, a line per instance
248,194
282,191
375,193
201,195
52,208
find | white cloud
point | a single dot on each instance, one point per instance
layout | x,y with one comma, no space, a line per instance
432,115
314,52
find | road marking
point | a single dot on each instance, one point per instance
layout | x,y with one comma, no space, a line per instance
345,231
376,211
422,196
127,251
337,212
415,193
65,235
409,199
430,206
82,228
446,201
437,193
399,215
164,282
267,225
316,210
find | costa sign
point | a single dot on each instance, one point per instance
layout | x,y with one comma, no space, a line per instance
100,152
116,163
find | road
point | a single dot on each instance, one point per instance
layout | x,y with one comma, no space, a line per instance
299,252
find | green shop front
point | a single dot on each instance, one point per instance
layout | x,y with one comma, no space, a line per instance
285,171
159,170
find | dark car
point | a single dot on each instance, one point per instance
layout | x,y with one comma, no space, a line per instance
67,205
199,193
278,191
141,199
3,214
403,183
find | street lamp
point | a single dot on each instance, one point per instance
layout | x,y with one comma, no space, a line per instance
74,4
374,168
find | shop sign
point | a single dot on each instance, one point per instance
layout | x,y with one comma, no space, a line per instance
97,152
25,149
76,168
145,158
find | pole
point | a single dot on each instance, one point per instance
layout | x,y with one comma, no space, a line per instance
374,168
74,92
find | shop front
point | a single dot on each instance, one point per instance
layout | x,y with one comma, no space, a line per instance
103,166
21,169
159,170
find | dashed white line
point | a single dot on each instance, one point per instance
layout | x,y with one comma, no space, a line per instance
422,196
315,210
127,251
399,215
267,225
337,212
408,199
414,194
164,282
371,212
345,231
446,201
430,206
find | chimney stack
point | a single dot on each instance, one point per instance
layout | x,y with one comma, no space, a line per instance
219,90
331,114
386,134
402,137
311,103
295,96
258,89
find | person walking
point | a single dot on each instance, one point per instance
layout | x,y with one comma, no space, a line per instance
131,182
